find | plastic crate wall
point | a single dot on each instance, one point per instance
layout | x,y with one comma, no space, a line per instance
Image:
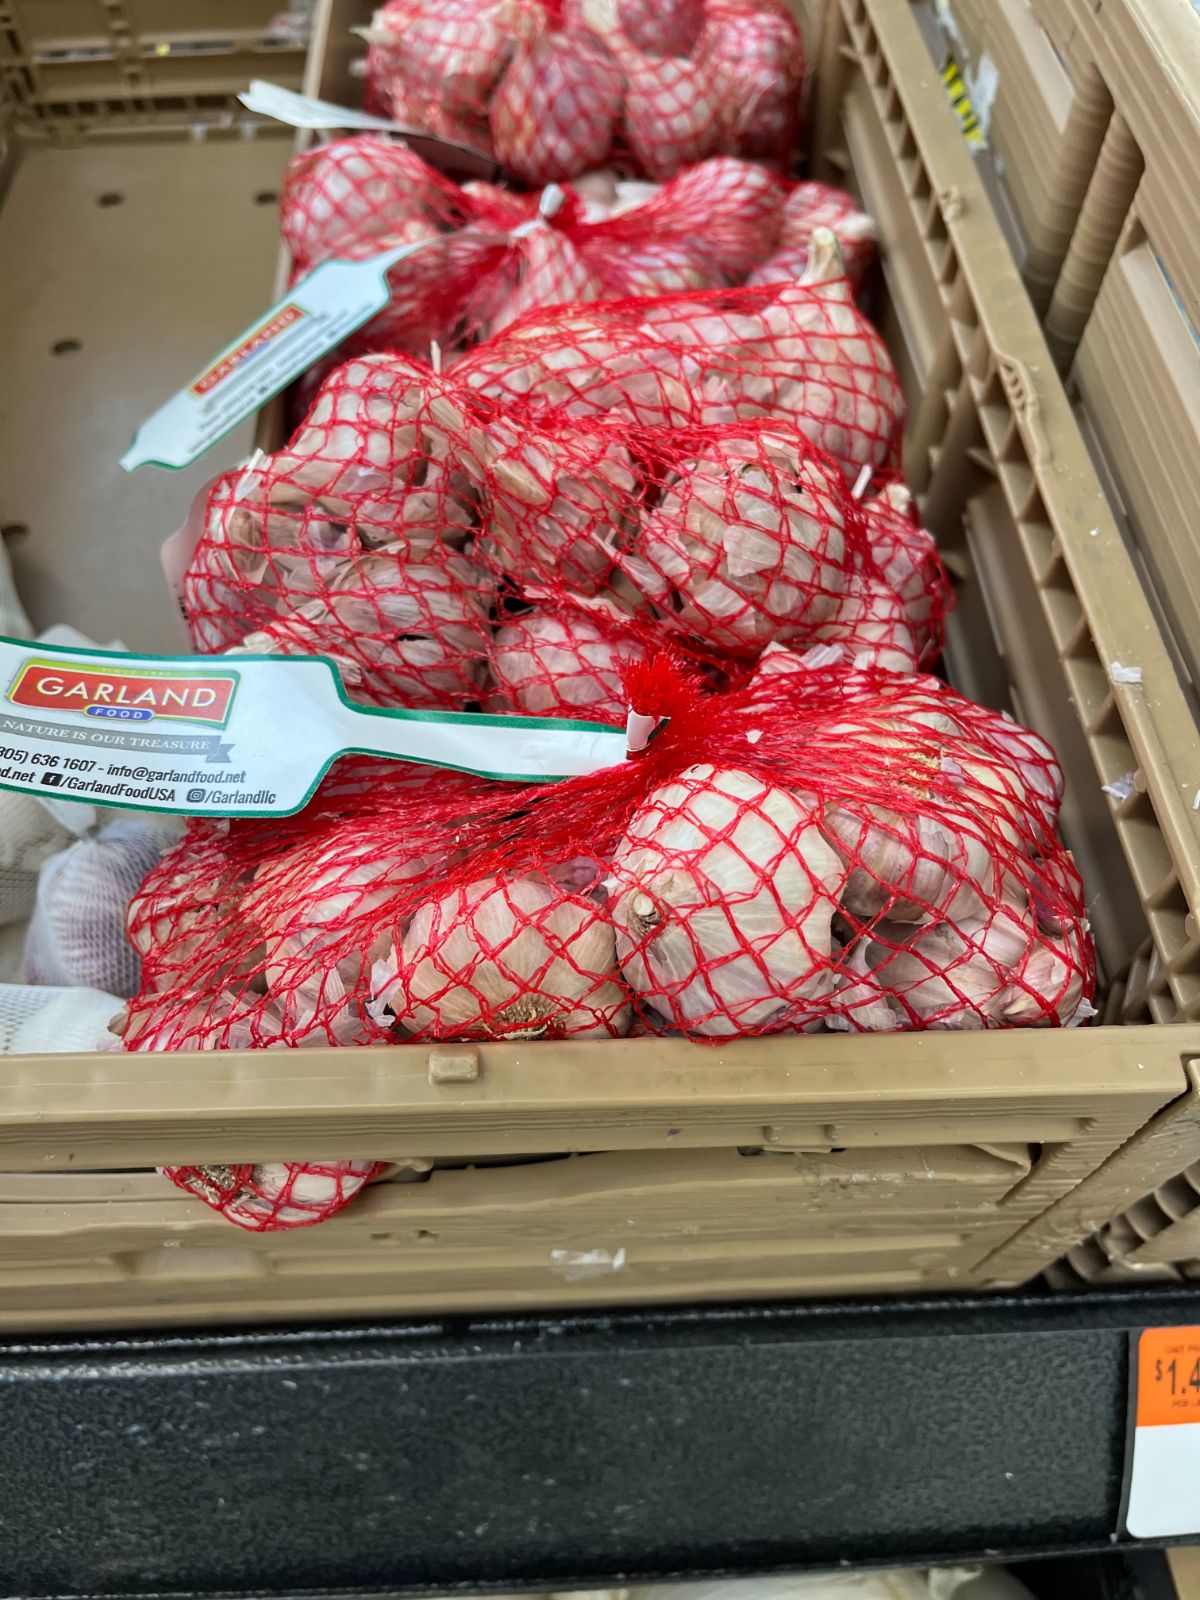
87,69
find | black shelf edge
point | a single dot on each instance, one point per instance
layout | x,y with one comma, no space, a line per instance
527,1452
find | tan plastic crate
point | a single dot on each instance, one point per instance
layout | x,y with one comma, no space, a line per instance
766,1168
1044,110
1184,1565
85,69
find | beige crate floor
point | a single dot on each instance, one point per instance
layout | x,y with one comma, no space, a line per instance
148,285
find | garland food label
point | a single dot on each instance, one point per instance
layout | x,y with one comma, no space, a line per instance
315,316
240,736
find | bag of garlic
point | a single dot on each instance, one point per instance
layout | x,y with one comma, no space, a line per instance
354,542
397,527
799,351
551,88
839,849
45,1021
76,936
482,256
276,1195
29,836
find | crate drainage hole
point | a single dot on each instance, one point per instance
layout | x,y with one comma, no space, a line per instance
266,197
110,198
13,530
66,347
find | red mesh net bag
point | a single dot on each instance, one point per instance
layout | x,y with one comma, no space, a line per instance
836,849
812,205
800,351
351,541
478,257
705,229
552,90
277,1195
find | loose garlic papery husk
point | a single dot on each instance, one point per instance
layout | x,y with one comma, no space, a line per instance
747,544
563,666
507,958
726,890
557,508
990,972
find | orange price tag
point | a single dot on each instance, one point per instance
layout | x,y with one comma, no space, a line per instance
1168,1384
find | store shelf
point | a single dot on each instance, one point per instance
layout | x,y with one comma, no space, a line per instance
586,1450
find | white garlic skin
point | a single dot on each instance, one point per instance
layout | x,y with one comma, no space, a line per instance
507,957
566,666
726,891
747,545
990,972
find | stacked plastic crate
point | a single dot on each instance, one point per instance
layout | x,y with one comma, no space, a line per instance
1108,102
771,1166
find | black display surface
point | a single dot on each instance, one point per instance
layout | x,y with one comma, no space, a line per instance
559,1452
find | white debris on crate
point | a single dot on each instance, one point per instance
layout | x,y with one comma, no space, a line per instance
574,1265
1120,672
1120,788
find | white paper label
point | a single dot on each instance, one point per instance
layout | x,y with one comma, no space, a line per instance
1164,1480
240,735
302,111
323,309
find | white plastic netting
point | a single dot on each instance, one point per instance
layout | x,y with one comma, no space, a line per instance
77,933
49,1021
29,835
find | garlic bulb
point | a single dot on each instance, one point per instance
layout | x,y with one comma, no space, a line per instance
756,50
726,889
440,64
555,110
815,205
912,866
549,270
993,971
906,555
418,634
317,909
507,957
659,27
673,113
276,1194
559,507
76,936
560,666
747,544
352,190
870,622
818,361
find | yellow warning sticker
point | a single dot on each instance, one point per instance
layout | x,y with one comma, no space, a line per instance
956,88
